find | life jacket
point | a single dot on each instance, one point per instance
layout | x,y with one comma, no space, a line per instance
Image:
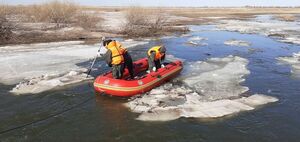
158,54
117,52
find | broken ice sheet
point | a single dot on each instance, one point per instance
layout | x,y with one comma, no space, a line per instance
210,89
50,81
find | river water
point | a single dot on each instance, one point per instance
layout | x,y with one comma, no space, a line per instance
77,113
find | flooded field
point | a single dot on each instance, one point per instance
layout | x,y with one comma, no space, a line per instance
246,94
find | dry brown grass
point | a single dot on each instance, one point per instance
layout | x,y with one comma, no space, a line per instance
59,12
88,21
286,17
6,26
239,12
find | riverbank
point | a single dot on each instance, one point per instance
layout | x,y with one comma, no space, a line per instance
113,22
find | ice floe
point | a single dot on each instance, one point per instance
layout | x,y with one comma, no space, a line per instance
50,81
197,41
234,42
294,61
209,89
19,62
282,31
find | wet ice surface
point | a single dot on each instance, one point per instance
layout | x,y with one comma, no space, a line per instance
294,62
217,78
234,42
212,90
32,62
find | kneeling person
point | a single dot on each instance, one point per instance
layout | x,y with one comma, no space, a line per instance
156,55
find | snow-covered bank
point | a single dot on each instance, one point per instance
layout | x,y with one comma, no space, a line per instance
57,58
234,42
294,61
282,31
210,89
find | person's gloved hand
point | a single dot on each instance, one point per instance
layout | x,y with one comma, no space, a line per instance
98,53
154,69
163,66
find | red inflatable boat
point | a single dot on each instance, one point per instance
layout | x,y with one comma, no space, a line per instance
125,88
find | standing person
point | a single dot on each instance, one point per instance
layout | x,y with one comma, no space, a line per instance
117,57
156,55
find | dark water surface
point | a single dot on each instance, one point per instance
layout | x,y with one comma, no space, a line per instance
86,116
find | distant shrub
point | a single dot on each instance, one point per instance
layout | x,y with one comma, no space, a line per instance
59,12
6,26
88,20
143,22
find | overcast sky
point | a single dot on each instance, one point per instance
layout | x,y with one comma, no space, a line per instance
183,3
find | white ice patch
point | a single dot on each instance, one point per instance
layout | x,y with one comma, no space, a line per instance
47,82
197,41
234,42
217,78
211,89
197,38
283,31
172,58
294,61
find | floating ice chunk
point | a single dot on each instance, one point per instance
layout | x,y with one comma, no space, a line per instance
186,35
47,82
234,42
217,77
161,114
197,38
294,61
257,99
210,89
172,58
197,41
187,104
